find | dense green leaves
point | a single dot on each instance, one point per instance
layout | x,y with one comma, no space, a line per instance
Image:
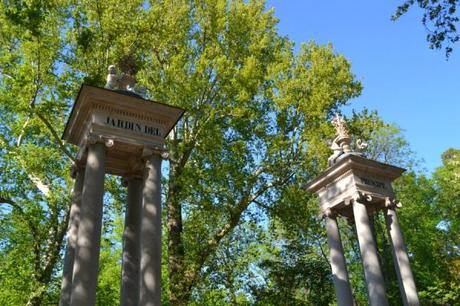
238,226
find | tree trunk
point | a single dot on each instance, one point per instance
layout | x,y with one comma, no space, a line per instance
176,254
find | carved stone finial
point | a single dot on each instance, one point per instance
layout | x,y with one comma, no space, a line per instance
112,78
341,143
361,145
329,213
124,81
340,127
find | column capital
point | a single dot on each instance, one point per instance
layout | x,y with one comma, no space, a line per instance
392,203
149,151
131,176
361,197
93,139
329,213
76,167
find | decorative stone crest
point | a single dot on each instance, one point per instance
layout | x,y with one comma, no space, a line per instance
342,142
341,128
123,81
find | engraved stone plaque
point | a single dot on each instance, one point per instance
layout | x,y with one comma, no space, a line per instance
130,123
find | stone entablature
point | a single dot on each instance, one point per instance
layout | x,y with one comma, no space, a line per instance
354,176
127,123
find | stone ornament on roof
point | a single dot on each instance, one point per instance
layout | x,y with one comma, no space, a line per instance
123,81
341,144
340,126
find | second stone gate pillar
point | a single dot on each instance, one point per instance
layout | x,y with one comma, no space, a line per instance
355,187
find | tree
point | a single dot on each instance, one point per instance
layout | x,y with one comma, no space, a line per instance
439,19
252,107
222,61
252,135
446,290
34,184
447,178
428,244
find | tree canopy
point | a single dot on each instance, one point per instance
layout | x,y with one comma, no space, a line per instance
238,226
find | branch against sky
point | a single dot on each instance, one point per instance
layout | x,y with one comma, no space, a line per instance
440,20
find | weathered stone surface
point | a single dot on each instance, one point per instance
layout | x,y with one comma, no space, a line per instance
116,131
126,122
338,265
353,175
355,187
86,262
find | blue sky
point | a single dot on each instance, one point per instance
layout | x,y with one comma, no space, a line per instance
406,82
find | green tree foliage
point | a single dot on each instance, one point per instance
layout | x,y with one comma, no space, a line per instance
34,184
445,290
238,225
429,217
447,180
252,107
440,20
386,142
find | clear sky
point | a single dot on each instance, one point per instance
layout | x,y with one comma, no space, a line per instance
405,81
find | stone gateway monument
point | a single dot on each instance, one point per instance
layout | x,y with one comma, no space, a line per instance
355,187
118,133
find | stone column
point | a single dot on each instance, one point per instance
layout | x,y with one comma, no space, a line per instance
72,230
150,290
401,260
368,249
89,231
131,244
337,259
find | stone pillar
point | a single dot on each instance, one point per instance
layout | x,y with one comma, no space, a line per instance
401,260
131,244
72,230
368,249
150,290
338,265
89,231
